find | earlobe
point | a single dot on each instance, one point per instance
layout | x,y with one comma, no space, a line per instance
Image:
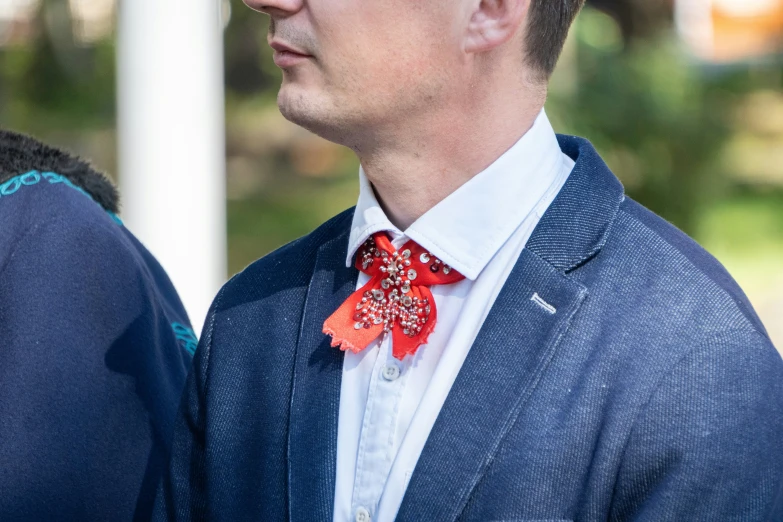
494,22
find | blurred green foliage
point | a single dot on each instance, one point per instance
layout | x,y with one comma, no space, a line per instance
53,84
660,119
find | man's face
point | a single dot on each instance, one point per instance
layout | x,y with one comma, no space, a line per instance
369,64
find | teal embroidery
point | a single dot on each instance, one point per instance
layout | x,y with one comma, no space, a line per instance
116,218
186,337
31,178
10,186
34,177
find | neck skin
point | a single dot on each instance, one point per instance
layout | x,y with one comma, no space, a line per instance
421,160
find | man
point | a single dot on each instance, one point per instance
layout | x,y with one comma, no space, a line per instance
94,346
517,339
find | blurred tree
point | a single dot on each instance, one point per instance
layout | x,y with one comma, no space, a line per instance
54,83
660,119
637,18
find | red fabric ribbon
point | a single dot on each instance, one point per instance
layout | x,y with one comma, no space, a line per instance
396,299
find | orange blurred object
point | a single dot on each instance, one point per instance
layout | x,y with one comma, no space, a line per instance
723,31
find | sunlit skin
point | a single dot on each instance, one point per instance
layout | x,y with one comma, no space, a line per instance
426,93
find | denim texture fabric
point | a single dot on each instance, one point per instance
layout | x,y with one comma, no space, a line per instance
652,393
91,371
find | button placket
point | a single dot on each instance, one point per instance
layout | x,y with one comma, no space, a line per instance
376,440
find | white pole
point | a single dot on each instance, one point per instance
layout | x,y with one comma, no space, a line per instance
171,129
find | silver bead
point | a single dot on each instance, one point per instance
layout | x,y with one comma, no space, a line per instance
377,295
406,300
357,326
406,253
412,274
406,287
446,269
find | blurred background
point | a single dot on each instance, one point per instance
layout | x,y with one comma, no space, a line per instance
683,98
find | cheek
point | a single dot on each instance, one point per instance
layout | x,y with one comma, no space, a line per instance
384,60
380,47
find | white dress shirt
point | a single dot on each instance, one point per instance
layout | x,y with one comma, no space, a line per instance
388,407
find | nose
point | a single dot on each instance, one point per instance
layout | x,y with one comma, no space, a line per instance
275,7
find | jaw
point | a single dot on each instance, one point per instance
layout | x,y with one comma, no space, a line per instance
384,105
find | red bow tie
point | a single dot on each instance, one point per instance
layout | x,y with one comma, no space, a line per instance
396,299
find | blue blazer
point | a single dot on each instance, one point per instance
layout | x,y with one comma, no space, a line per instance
652,392
94,346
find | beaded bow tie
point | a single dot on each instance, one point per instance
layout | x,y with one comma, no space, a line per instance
396,299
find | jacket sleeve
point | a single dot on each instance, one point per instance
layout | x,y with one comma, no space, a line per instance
709,443
183,493
90,374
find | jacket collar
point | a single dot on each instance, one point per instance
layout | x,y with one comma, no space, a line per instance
575,226
20,154
495,382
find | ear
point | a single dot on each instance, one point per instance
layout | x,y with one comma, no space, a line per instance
494,22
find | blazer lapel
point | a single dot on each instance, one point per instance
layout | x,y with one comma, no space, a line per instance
315,398
513,348
516,342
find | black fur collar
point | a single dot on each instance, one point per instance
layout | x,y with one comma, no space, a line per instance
20,154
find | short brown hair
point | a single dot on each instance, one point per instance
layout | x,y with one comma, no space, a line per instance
547,29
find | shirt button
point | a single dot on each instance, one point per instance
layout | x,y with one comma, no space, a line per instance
391,372
362,515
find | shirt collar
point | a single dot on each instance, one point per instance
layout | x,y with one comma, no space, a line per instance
468,227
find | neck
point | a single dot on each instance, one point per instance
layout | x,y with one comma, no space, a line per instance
424,162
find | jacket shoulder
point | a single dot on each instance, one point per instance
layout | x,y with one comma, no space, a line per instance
47,218
675,267
32,201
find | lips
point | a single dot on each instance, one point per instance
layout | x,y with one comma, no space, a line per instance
285,59
286,56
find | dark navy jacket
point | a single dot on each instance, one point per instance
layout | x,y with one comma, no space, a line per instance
94,346
651,393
